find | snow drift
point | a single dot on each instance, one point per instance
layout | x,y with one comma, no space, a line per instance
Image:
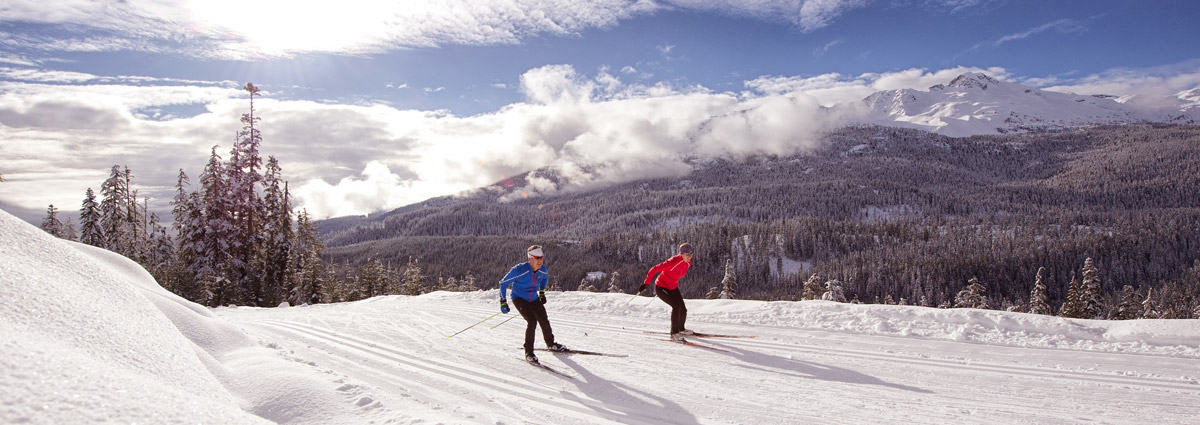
89,337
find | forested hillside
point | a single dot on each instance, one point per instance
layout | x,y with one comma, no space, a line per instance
891,213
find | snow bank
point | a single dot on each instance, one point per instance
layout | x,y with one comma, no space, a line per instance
1180,338
88,336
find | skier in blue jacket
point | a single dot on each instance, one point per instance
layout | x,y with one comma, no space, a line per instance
528,281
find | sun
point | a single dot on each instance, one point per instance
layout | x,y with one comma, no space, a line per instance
283,26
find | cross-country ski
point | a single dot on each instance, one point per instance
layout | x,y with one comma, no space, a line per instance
583,352
703,335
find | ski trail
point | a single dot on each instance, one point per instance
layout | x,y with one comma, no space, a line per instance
444,381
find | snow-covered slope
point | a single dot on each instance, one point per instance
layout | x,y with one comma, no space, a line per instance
88,337
975,103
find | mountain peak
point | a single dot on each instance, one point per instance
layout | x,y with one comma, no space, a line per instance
972,80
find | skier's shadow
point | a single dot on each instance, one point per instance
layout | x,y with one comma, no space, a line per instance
621,402
807,370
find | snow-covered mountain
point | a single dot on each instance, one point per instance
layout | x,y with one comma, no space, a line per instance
975,103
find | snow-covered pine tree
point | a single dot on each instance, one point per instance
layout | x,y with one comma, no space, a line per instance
1039,302
1196,312
971,296
468,283
113,211
1150,307
1129,307
585,286
812,288
51,224
69,228
215,256
713,293
614,284
887,300
89,221
1071,306
277,235
728,285
248,207
833,291
1089,294
308,276
370,278
414,280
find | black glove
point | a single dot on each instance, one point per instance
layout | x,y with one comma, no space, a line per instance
504,306
542,296
643,288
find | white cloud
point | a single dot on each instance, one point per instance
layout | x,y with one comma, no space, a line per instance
433,89
595,130
1061,25
825,49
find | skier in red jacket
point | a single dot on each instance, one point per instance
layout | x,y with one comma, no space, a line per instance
667,288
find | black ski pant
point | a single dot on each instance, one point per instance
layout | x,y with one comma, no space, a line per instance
674,299
534,314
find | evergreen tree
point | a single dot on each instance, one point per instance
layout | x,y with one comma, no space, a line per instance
215,256
113,211
614,285
1039,302
812,288
52,225
728,285
371,279
1129,308
69,230
833,291
1196,312
189,241
414,279
1071,306
89,221
309,277
585,286
274,261
468,283
971,296
1150,307
448,284
1089,294
713,293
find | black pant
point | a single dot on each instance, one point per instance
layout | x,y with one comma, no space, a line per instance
534,314
678,311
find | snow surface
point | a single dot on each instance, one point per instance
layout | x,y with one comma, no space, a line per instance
976,104
89,337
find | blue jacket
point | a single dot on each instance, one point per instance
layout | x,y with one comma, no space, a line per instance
524,281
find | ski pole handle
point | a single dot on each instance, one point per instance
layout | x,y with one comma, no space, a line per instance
476,323
501,323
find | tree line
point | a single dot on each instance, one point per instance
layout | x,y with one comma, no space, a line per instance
235,239
887,213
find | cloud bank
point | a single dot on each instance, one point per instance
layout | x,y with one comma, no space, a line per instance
229,29
592,130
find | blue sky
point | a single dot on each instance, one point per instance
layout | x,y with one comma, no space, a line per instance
371,105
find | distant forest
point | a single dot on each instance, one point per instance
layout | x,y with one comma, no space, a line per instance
894,215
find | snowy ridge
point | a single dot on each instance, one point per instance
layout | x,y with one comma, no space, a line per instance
88,337
975,104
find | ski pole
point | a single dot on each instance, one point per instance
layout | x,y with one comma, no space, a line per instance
505,321
476,323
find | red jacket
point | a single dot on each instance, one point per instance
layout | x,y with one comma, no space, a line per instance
672,270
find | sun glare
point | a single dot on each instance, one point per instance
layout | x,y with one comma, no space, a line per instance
281,26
